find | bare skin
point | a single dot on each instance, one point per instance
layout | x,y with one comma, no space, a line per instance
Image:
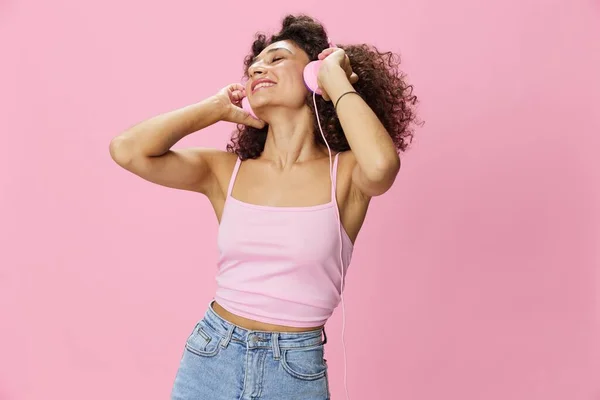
293,170
259,182
253,325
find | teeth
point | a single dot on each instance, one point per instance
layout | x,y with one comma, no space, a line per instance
263,84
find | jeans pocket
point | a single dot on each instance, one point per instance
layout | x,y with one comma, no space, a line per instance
203,341
306,363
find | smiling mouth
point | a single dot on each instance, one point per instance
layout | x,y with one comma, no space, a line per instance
262,85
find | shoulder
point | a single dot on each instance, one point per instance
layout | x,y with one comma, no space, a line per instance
345,170
222,164
221,160
345,165
209,156
217,163
346,159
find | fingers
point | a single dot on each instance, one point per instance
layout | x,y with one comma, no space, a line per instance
352,77
235,91
243,117
326,53
344,63
236,86
237,96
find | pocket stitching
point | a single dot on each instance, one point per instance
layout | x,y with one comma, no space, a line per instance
189,346
204,335
306,377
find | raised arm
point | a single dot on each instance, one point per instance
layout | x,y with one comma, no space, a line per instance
145,148
377,161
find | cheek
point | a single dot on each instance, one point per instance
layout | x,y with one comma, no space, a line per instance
298,85
294,77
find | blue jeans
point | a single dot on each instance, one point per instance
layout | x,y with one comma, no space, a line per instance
222,361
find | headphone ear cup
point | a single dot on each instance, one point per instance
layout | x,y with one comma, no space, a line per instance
247,108
311,72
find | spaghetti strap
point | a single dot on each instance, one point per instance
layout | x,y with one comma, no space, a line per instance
233,176
334,178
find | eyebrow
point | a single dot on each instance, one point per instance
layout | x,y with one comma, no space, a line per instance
271,51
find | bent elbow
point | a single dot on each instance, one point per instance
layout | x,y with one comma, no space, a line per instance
120,150
384,169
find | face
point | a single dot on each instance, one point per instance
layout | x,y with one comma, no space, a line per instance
276,76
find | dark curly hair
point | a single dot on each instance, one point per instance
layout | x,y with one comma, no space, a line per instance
381,84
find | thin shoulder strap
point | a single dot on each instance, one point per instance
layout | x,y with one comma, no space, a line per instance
236,168
334,178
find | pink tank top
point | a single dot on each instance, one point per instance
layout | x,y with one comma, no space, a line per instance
281,265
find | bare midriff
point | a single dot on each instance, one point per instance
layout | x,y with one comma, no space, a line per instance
253,325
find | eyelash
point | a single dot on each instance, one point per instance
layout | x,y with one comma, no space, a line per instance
277,59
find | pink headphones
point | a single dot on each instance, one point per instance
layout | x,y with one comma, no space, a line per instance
310,74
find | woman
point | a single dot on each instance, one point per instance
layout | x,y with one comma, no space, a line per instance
278,199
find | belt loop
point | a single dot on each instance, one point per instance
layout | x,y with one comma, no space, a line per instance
225,341
324,336
275,344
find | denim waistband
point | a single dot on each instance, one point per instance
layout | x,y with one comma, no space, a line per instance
266,339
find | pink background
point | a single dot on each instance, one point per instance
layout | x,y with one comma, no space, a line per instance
475,278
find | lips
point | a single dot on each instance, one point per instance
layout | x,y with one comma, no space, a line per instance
263,81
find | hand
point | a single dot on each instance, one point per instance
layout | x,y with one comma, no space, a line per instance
230,98
333,58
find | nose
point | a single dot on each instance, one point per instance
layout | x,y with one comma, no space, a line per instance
256,70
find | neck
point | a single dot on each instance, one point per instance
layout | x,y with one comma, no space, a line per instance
290,139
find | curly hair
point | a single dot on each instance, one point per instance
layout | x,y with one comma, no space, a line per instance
381,85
